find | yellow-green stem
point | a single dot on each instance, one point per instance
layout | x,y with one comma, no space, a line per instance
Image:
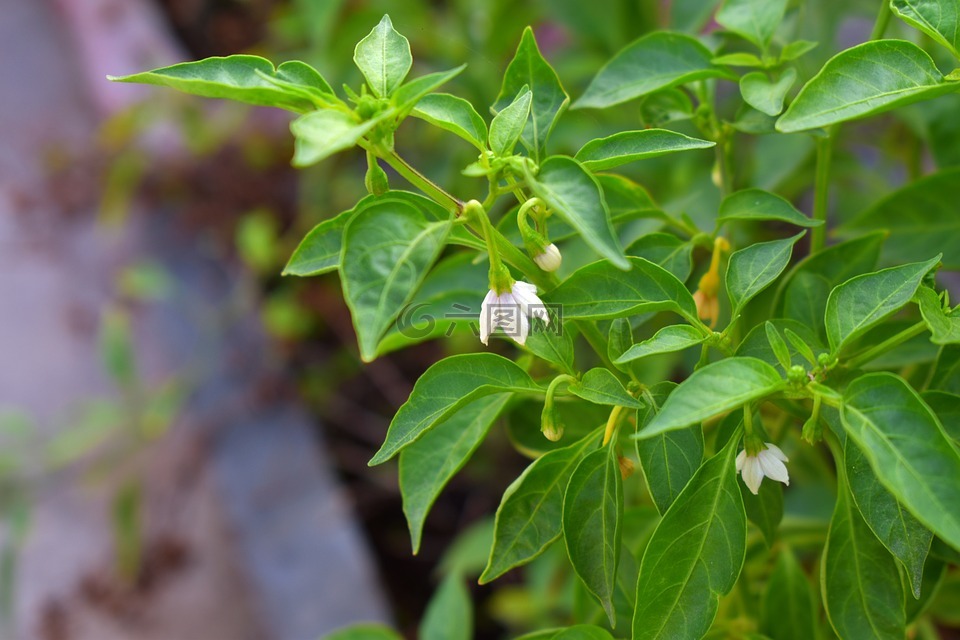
821,191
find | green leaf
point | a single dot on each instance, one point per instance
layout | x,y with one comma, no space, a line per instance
668,460
898,531
449,614
293,85
921,217
694,556
666,250
756,204
777,345
766,96
629,146
946,372
443,389
410,94
806,300
946,406
383,58
739,59
755,20
508,124
320,134
667,340
319,251
765,509
944,327
575,195
864,301
939,19
592,512
861,584
599,386
455,115
796,49
619,339
427,465
753,269
576,632
757,344
712,390
656,61
528,68
364,632
529,516
554,348
388,248
789,610
600,290
907,448
867,79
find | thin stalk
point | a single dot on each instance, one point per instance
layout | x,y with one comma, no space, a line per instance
821,192
886,345
883,19
416,178
611,425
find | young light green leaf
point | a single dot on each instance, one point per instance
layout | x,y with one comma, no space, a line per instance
803,347
789,610
796,49
907,448
861,584
383,58
656,61
427,465
443,389
619,339
753,269
599,386
755,20
864,301
765,509
575,196
319,251
455,115
554,348
777,345
756,204
666,250
712,390
508,124
242,78
921,216
766,96
410,94
667,340
528,68
944,326
449,614
592,513
600,290
320,134
867,79
939,19
756,344
628,146
387,250
739,59
529,516
364,632
694,556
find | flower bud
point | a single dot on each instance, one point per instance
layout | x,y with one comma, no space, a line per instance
550,424
550,259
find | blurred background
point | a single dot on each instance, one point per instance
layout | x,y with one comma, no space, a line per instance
184,433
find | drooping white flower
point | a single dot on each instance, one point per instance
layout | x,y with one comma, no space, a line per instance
550,259
768,463
511,311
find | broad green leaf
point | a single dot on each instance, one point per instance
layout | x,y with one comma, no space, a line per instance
529,516
528,68
656,61
755,20
898,531
297,86
508,124
714,389
600,290
455,115
575,195
668,460
427,465
619,339
364,632
944,326
757,345
666,106
319,251
599,386
694,556
757,204
753,269
864,80
864,301
806,300
921,217
946,372
669,339
860,581
383,58
946,406
410,94
387,250
320,134
545,343
626,199
666,250
443,389
789,610
939,19
765,509
907,448
777,344
629,146
592,513
764,95
449,614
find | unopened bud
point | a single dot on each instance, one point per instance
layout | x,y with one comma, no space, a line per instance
550,425
550,259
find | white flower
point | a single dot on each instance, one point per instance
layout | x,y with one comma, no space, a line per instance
550,259
510,311
768,463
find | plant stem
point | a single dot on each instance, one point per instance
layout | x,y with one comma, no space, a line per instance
821,192
611,425
416,178
883,19
886,345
